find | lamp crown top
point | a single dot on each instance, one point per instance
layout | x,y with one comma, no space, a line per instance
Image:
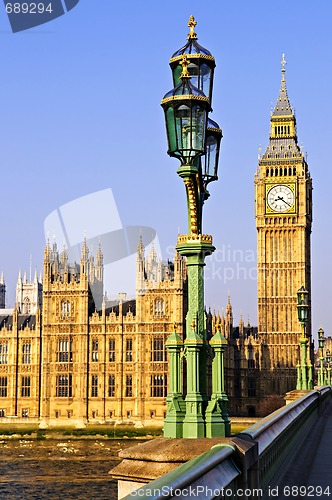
192,23
184,63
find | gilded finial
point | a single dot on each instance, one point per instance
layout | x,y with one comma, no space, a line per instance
218,326
192,23
184,63
283,64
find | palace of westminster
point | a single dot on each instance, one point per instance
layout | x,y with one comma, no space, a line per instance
69,356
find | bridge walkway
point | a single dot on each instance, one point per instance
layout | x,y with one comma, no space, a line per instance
311,467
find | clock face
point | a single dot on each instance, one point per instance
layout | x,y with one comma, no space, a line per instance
280,198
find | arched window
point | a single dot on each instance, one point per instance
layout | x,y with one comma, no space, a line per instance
94,352
159,306
26,306
65,308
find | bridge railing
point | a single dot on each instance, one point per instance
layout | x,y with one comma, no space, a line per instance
280,434
248,463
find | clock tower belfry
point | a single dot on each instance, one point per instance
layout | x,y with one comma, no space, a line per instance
283,206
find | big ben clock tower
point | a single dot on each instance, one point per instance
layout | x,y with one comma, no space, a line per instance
283,204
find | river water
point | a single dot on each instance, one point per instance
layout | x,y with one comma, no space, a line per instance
75,469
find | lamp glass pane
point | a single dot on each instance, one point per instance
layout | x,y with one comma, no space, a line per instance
171,132
210,156
204,83
199,124
176,75
183,127
193,70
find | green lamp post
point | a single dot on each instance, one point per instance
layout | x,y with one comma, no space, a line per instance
321,342
194,139
328,361
305,380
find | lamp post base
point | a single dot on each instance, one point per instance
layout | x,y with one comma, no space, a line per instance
173,423
215,424
193,423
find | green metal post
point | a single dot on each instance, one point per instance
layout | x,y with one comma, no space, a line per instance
195,248
303,343
321,370
299,379
216,416
325,376
329,375
193,423
310,376
173,424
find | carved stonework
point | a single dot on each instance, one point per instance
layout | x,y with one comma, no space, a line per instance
26,369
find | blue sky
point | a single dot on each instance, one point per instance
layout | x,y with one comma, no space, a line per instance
80,112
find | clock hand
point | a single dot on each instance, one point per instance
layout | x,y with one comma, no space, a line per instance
282,199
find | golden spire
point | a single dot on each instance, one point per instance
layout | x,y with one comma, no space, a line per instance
192,23
184,63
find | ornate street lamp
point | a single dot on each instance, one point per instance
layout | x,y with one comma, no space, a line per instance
194,139
304,382
328,361
303,305
321,342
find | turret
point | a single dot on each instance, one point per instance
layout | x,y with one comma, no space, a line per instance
2,292
84,258
140,272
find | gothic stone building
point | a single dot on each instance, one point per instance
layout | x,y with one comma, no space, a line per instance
69,363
